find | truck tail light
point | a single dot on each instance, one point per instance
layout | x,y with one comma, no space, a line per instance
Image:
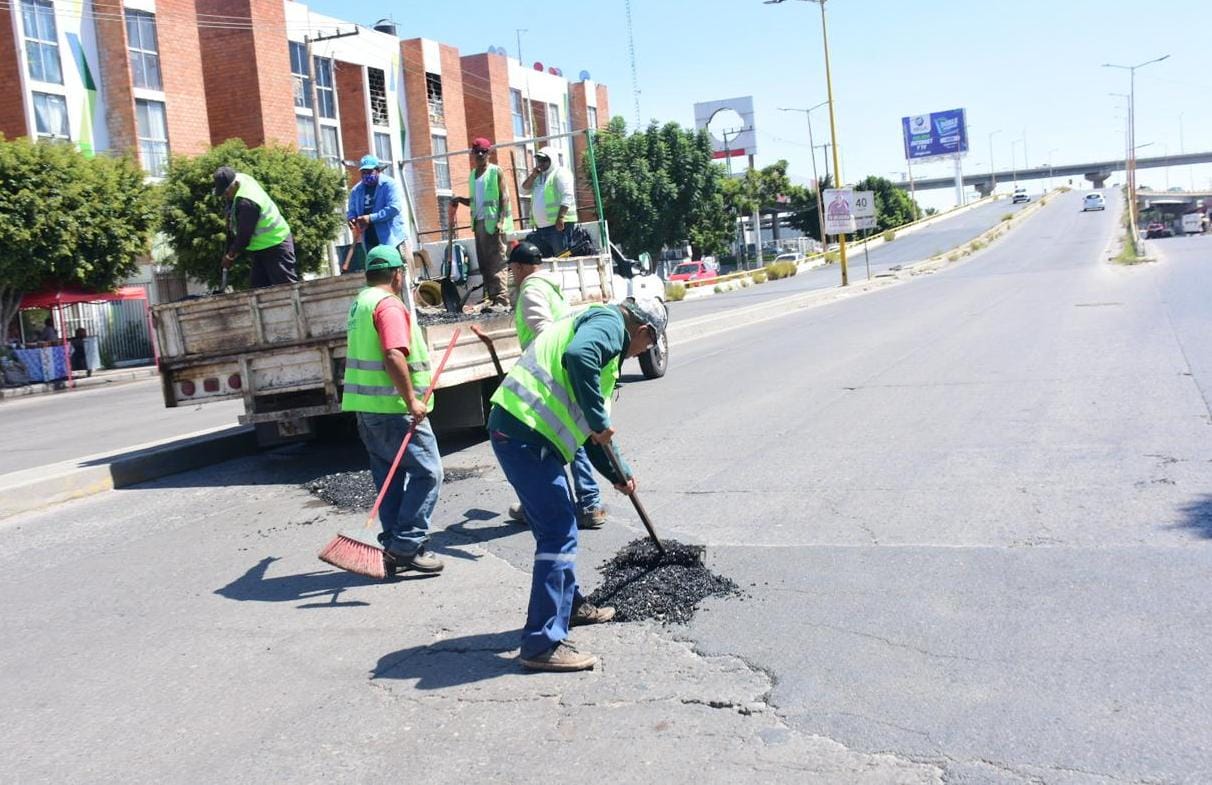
188,388
234,381
210,385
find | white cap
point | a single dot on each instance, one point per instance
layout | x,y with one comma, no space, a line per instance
547,152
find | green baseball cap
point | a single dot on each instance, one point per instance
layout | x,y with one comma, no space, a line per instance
383,257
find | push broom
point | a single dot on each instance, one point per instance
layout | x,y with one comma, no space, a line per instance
359,551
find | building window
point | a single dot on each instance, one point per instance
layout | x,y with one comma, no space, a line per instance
520,129
41,41
144,51
298,70
153,136
433,92
307,135
50,116
592,115
383,152
378,96
325,95
330,144
441,166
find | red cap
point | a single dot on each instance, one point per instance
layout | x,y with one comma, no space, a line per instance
481,143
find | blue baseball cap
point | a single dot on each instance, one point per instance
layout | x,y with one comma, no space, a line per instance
368,162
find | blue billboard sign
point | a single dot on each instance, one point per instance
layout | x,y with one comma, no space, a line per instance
935,135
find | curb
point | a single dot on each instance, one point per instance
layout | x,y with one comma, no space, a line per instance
124,376
43,486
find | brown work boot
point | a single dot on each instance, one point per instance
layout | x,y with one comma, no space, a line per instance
592,519
421,561
588,613
562,657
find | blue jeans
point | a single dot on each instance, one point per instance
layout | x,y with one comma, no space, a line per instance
556,240
589,495
409,503
537,475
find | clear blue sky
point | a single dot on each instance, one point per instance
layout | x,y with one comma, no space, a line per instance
1029,68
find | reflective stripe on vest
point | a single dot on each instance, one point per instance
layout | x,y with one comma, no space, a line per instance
556,304
271,228
538,392
492,200
367,385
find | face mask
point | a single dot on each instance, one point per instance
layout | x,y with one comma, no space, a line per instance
370,179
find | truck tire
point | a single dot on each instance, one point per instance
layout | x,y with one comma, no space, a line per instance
654,361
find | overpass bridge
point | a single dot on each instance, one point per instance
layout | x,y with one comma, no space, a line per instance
1096,172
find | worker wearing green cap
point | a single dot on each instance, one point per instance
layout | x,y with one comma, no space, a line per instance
387,373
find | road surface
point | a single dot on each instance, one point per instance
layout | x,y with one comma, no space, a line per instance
971,515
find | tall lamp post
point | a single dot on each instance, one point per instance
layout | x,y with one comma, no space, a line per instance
992,169
1050,152
1131,69
837,164
820,209
1014,161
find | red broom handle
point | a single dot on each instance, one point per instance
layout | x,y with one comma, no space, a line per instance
374,511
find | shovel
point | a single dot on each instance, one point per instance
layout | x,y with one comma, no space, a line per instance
450,291
635,500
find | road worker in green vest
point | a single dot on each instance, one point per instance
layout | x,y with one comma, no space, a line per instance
387,372
555,400
553,201
492,218
540,304
255,225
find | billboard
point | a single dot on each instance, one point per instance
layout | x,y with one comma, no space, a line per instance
740,110
935,135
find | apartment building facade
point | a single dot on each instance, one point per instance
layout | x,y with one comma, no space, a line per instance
155,78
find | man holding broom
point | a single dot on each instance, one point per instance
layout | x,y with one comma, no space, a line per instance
554,400
387,373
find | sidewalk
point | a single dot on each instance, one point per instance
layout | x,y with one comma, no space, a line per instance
98,379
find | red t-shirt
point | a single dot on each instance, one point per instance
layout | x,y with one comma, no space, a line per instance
393,325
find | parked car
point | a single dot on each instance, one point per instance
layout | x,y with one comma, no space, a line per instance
1020,195
692,271
788,257
1158,229
1094,201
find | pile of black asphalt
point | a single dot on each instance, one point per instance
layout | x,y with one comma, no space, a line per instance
642,583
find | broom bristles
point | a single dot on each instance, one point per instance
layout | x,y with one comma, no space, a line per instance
354,556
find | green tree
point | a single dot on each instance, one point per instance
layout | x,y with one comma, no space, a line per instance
893,206
309,193
67,220
803,208
660,188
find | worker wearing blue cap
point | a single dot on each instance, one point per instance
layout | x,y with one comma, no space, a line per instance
376,207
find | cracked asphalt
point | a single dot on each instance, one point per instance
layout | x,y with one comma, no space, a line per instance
969,516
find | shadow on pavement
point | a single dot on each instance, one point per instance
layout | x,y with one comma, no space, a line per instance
452,662
253,586
1197,516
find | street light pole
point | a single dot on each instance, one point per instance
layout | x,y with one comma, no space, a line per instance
992,169
1050,152
1013,161
820,202
1131,69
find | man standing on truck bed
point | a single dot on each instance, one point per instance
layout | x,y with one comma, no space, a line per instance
255,224
553,206
492,218
376,206
541,303
386,375
554,400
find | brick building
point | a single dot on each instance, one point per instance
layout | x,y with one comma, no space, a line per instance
161,77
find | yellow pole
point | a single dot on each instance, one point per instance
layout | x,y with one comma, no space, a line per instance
837,164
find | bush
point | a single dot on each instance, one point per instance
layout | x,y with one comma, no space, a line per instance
675,292
1007,216
777,270
977,245
745,282
832,257
889,235
954,257
758,276
309,192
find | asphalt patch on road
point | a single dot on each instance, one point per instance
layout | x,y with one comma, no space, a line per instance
357,491
445,317
640,583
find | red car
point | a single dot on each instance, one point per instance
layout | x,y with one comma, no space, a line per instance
691,271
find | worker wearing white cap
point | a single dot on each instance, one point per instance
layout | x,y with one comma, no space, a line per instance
553,203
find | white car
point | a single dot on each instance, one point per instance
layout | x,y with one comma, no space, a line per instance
1020,195
788,257
1094,202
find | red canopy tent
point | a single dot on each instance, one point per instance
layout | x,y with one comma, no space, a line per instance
57,299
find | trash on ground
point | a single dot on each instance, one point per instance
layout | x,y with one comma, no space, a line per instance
640,583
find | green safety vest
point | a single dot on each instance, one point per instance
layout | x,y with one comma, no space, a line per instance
538,392
551,201
272,228
555,301
368,387
492,200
